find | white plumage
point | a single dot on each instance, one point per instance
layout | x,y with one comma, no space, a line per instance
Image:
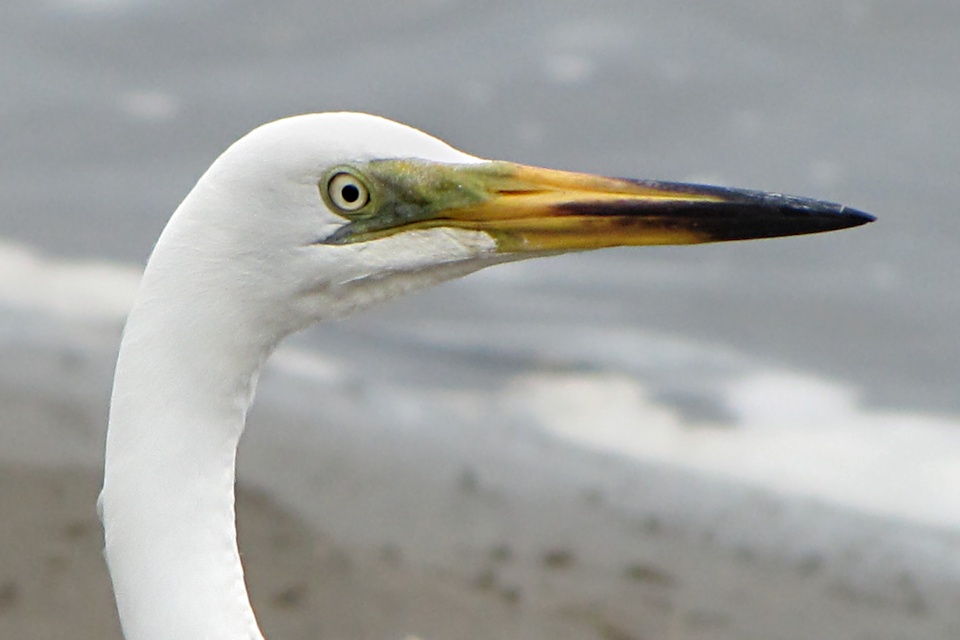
250,257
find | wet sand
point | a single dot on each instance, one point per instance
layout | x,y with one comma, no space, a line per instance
648,580
53,584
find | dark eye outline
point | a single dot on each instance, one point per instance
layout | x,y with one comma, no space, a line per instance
339,181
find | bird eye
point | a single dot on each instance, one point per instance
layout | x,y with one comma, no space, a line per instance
347,193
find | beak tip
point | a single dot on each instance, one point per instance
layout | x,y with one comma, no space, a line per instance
844,217
837,217
857,217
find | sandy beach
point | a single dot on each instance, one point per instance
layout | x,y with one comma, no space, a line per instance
53,584
662,581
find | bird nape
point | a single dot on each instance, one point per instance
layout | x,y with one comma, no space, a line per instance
302,220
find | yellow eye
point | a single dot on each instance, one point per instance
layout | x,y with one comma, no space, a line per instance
347,193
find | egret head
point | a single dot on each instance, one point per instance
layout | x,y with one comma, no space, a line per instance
327,212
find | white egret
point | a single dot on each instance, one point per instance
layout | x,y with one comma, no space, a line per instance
305,219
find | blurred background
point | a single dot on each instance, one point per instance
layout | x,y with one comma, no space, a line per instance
749,440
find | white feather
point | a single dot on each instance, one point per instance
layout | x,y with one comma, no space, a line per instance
237,269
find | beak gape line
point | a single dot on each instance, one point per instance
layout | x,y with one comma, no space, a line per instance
532,209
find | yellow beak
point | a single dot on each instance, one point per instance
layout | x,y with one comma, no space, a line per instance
532,209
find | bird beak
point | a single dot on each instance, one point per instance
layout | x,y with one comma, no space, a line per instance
532,209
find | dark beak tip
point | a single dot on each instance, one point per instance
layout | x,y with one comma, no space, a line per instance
857,217
846,218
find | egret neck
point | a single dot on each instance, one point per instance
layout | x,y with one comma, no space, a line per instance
185,377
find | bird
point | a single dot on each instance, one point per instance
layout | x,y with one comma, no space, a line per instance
306,219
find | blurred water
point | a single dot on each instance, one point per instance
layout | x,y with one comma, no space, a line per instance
111,108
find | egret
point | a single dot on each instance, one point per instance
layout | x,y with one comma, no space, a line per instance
302,220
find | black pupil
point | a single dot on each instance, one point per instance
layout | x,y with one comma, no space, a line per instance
350,193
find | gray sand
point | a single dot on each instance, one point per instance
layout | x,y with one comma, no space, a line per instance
307,583
53,585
